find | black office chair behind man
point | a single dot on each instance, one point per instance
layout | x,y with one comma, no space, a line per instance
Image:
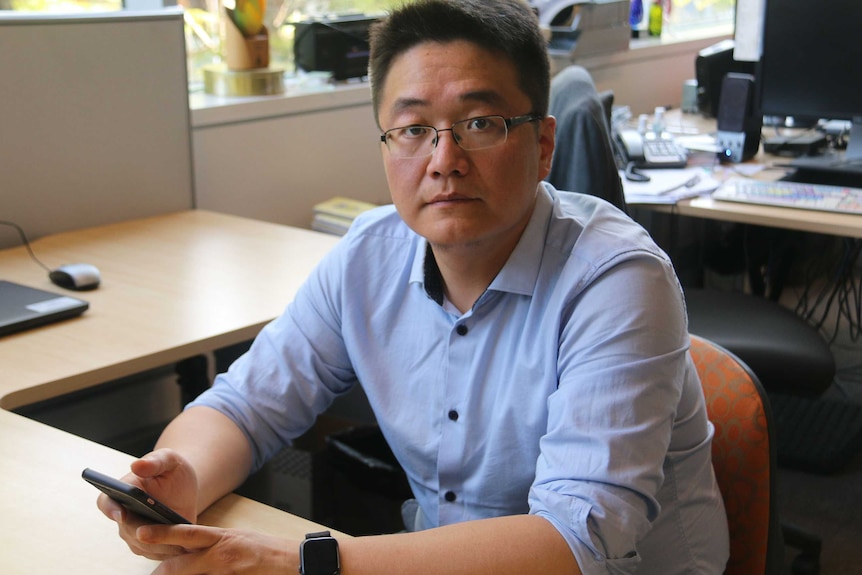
584,159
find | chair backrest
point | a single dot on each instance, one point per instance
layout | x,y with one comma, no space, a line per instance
583,160
743,456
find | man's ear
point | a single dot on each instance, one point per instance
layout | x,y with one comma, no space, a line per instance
547,141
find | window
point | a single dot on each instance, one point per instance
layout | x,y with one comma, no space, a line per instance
700,13
203,23
61,5
203,26
680,17
686,17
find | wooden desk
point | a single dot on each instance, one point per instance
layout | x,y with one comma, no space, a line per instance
48,516
837,224
173,286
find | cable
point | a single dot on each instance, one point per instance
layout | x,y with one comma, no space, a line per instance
842,290
26,242
850,299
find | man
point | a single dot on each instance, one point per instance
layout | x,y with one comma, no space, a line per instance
524,349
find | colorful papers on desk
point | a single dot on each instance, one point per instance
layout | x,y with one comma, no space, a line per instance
667,186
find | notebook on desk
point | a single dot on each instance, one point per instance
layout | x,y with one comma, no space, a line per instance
23,307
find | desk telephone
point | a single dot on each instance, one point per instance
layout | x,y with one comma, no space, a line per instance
649,151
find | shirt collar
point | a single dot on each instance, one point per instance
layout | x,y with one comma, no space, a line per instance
521,269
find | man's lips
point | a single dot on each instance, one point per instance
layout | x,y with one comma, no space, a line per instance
448,198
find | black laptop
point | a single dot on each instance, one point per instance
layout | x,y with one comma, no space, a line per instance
23,307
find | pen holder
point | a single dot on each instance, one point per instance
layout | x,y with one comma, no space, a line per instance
245,53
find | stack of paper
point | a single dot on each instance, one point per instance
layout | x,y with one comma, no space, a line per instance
335,215
668,186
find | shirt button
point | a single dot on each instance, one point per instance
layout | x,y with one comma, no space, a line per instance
453,415
450,496
461,329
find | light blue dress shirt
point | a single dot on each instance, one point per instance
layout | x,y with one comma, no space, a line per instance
566,391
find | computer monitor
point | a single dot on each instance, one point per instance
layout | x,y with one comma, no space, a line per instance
811,69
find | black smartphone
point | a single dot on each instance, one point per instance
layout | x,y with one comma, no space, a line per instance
133,498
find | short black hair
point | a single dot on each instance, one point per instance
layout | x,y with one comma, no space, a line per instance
507,27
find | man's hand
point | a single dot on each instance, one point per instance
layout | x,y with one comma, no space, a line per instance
217,551
168,477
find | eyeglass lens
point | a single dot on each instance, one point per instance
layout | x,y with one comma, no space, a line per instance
470,134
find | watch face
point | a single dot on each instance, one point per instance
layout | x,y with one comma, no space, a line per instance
319,556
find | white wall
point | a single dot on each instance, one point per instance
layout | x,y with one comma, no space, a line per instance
277,167
274,158
649,76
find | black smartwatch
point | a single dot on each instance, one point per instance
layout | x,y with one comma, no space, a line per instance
318,555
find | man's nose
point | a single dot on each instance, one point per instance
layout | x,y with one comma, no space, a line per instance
448,157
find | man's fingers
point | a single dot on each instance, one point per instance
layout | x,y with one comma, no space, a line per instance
155,463
188,537
110,508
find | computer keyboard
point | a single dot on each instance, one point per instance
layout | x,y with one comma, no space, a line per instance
792,195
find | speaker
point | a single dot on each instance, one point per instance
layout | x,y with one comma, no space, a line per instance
711,65
739,122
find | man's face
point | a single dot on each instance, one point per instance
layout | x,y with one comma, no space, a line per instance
457,198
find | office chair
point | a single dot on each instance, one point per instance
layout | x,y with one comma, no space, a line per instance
744,458
787,354
584,159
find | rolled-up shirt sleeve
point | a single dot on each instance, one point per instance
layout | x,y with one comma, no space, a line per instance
622,365
295,368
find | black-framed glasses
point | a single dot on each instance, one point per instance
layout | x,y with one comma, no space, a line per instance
471,134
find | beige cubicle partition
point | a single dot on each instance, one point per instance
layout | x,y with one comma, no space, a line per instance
94,120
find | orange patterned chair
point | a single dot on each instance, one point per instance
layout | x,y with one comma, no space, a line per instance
744,453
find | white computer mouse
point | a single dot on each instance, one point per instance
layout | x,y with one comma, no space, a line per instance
77,277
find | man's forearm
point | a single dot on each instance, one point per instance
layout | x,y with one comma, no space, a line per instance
506,545
221,457
216,448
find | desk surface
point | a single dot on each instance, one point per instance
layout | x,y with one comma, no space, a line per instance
838,224
173,286
48,514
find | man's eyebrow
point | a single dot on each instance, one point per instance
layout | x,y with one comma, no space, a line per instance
480,96
402,104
